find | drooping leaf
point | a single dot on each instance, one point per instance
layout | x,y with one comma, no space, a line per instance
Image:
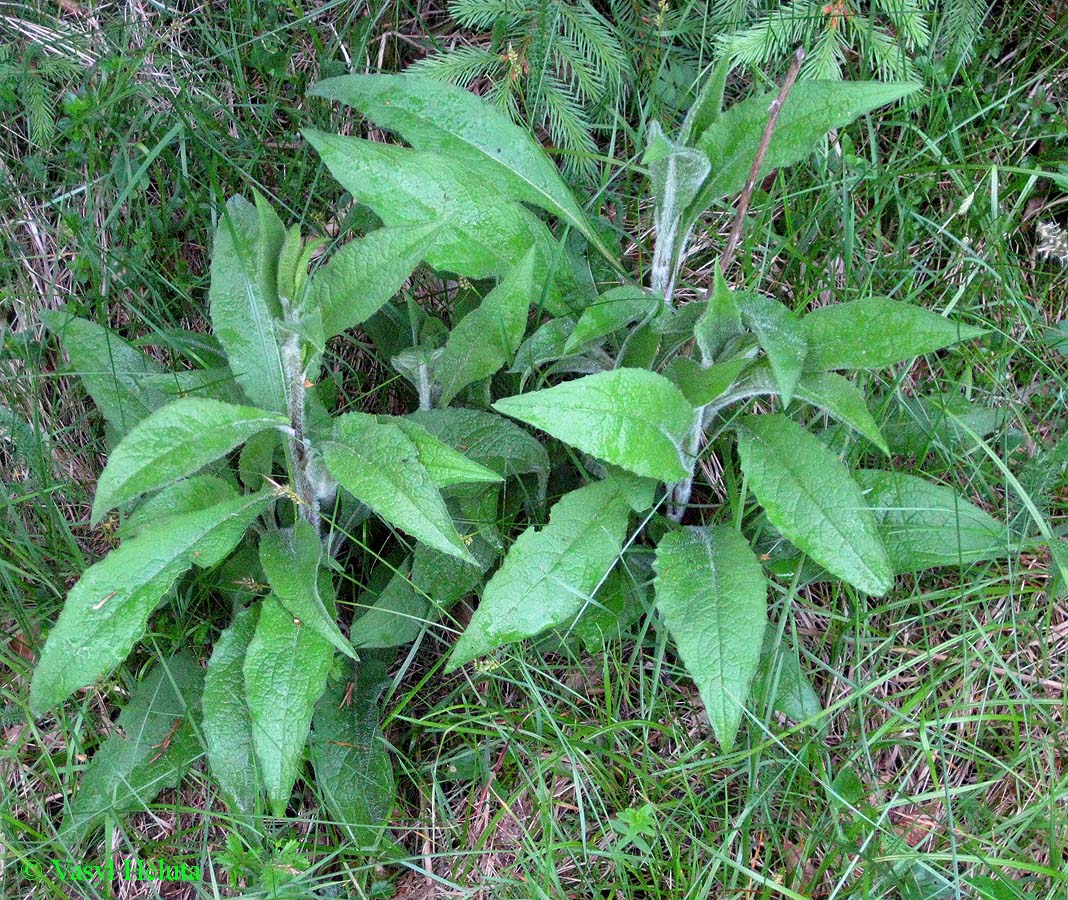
114,373
244,299
925,525
290,560
154,744
285,672
612,310
782,338
445,465
432,115
876,332
351,761
487,338
107,610
810,496
227,723
365,273
549,573
379,465
185,496
712,593
632,418
177,440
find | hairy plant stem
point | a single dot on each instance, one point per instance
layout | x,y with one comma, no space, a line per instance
297,447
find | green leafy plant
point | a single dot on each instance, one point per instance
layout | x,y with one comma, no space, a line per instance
658,385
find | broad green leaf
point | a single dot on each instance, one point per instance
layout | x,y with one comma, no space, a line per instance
720,321
700,385
810,496
227,723
782,338
107,610
244,299
481,235
445,465
781,678
925,525
432,115
549,574
285,674
876,332
618,603
379,465
393,618
615,308
488,439
712,593
114,373
487,338
290,560
185,496
154,744
544,345
812,109
256,460
365,273
443,579
632,418
175,441
352,767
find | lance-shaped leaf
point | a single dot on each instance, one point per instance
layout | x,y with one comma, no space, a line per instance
615,308
290,560
174,441
379,465
432,115
782,338
351,761
631,418
107,610
244,299
487,338
365,273
445,465
712,593
925,525
877,331
781,679
114,372
810,496
153,746
394,617
285,674
227,724
549,574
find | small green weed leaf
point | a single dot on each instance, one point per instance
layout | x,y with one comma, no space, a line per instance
285,674
107,610
840,398
291,559
174,441
712,593
782,338
781,678
227,723
810,496
395,617
445,465
114,373
432,115
632,418
153,746
813,108
215,384
379,465
288,260
707,107
615,308
924,423
244,299
351,761
700,385
720,321
364,274
622,598
545,345
925,525
257,458
445,579
487,338
185,496
876,332
549,574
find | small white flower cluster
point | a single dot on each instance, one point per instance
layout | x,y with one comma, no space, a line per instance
1052,241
